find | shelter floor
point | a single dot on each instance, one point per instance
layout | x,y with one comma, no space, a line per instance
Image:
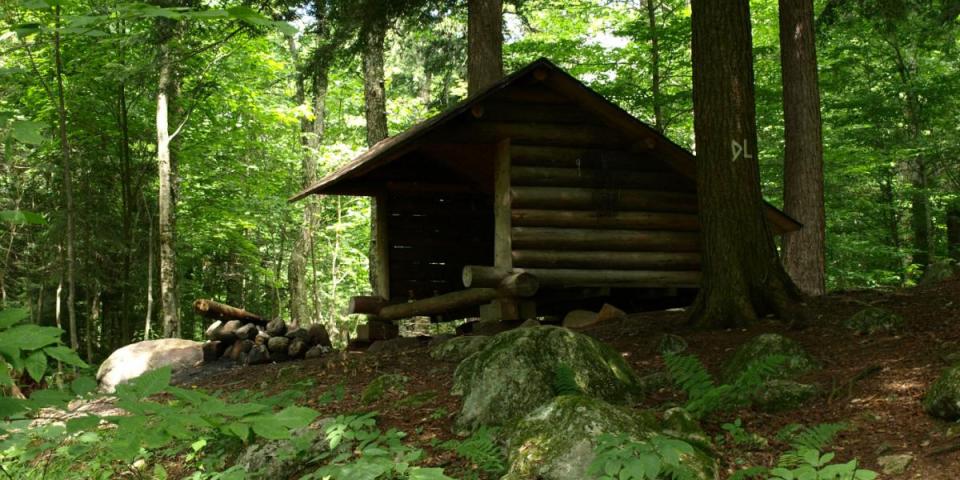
883,410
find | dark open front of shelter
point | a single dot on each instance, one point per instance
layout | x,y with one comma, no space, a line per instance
532,193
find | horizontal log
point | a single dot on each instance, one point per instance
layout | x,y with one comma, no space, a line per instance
590,177
574,157
502,111
438,304
685,222
366,304
606,260
221,311
601,199
527,238
568,278
555,134
533,94
510,283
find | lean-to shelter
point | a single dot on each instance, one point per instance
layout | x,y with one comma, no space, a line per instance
530,194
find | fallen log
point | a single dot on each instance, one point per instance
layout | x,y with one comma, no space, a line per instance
439,303
220,311
509,283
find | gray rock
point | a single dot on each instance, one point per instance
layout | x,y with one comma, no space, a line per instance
514,374
278,344
394,345
297,348
138,358
874,320
558,440
530,322
279,459
782,395
943,398
458,348
798,360
670,343
247,332
317,335
316,351
239,348
258,355
895,464
276,328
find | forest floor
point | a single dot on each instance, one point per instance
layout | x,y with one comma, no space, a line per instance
883,410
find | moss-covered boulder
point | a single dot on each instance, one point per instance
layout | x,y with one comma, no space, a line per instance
458,348
798,360
558,440
514,373
943,398
670,343
782,395
874,320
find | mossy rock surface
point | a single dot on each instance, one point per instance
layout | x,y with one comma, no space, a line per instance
943,398
276,459
798,360
382,385
874,320
557,441
514,373
670,343
782,395
458,348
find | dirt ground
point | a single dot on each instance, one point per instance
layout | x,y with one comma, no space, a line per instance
882,410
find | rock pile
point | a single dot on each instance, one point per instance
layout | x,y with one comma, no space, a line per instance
250,343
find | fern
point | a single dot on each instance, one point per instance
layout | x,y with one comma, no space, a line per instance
816,437
482,450
689,374
704,396
565,381
757,373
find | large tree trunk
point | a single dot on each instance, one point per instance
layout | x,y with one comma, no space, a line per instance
743,278
484,43
803,251
169,304
655,66
67,189
375,101
953,231
920,220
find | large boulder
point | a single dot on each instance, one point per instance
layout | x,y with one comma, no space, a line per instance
278,459
798,360
943,398
138,358
558,440
782,395
515,371
458,348
872,320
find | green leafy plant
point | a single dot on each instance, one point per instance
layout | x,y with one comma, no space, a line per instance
805,460
28,348
704,396
622,457
816,437
482,450
741,437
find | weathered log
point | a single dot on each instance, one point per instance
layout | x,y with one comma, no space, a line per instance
574,157
531,95
238,350
262,338
247,332
212,350
566,278
211,331
612,200
558,134
439,303
607,260
686,222
258,355
278,344
507,282
221,311
590,177
223,331
620,240
276,328
317,335
366,304
500,111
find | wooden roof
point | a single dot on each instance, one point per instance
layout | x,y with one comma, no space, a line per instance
647,138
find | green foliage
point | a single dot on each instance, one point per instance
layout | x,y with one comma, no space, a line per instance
816,437
27,348
359,450
805,460
565,381
481,449
625,458
741,437
705,397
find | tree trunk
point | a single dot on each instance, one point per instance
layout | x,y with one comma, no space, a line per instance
311,136
953,231
920,220
151,255
67,188
655,66
92,320
803,250
743,278
484,43
169,304
375,101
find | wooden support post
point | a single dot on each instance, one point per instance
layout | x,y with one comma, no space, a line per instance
502,308
382,287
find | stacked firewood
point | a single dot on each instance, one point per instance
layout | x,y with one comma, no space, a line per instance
248,339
